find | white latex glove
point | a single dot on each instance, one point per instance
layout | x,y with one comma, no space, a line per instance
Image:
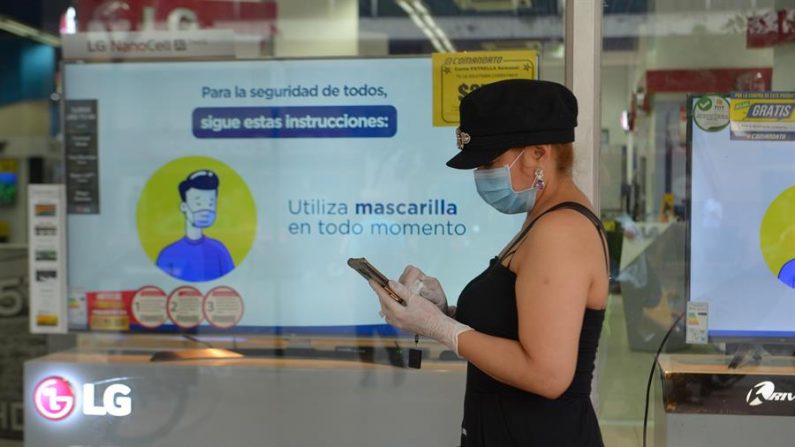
418,316
425,286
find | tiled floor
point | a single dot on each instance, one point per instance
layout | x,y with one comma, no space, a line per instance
622,384
617,436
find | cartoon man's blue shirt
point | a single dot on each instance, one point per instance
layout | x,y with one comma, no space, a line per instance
204,259
787,273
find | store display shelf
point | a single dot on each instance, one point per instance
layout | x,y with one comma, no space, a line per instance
12,246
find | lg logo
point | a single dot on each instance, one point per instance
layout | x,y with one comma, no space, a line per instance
766,392
54,398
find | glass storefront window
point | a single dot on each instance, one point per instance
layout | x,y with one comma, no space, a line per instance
651,62
169,142
224,158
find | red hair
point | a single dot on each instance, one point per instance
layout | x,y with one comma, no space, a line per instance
564,155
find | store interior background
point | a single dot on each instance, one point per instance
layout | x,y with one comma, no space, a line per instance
640,36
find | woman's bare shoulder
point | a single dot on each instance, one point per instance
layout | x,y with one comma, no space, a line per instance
563,220
565,231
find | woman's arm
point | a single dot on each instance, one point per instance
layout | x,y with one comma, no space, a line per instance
554,271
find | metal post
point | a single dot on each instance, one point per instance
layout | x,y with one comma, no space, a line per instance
584,57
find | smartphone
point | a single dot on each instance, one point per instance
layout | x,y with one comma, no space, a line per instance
369,272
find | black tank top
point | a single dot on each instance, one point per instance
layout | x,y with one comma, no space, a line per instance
499,415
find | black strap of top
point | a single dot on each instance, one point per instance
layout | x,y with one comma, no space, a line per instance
563,205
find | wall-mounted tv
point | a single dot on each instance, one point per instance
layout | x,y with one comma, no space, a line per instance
228,196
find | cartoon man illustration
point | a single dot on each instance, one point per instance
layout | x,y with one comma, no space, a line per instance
787,273
197,257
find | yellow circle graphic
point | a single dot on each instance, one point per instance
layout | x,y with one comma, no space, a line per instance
196,219
777,237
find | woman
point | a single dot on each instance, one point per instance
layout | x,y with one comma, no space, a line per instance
529,324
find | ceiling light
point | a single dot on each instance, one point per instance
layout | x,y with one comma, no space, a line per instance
69,21
421,17
20,29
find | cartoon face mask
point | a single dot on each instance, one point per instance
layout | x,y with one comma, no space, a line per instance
199,207
202,218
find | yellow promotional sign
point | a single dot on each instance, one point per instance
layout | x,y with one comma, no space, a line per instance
456,74
768,116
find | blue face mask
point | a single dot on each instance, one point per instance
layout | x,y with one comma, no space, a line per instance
494,185
202,218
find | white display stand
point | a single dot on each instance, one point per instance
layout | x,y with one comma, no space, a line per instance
244,402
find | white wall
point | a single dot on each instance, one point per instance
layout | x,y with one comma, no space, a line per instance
25,119
704,51
317,28
373,44
712,5
784,67
616,87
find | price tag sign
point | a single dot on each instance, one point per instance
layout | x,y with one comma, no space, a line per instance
456,74
697,327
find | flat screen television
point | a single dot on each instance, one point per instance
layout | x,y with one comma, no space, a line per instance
8,182
741,237
224,197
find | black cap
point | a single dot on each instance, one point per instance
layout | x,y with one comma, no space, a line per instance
512,113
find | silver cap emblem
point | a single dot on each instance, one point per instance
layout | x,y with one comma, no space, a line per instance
462,138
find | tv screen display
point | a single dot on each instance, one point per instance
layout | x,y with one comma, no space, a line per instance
228,196
742,209
8,182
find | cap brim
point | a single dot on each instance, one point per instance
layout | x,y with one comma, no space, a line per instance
483,149
471,159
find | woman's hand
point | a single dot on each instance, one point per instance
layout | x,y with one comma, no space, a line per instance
425,286
419,315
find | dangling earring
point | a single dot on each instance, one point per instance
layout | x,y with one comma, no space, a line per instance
539,183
